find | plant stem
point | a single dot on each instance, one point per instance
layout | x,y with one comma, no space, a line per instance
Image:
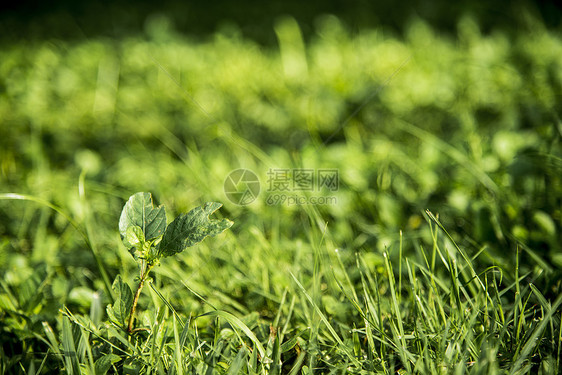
144,276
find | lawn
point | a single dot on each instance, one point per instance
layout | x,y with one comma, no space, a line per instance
396,201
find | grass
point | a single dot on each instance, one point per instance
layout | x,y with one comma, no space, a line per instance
448,320
343,312
441,255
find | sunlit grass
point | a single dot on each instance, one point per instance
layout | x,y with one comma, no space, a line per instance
466,128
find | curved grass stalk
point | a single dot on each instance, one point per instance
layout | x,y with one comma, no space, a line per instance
99,264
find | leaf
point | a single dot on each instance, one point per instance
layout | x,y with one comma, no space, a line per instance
140,211
191,228
134,236
121,308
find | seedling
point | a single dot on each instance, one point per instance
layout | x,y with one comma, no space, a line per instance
145,233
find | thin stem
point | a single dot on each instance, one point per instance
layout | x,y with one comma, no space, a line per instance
144,276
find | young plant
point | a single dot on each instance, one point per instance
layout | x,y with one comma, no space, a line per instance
145,233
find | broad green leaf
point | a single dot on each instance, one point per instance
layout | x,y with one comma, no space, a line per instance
140,211
123,301
191,228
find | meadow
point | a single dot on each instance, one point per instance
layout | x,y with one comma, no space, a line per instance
435,247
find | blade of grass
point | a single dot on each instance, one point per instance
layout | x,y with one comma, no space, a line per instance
532,341
545,305
53,342
400,268
199,296
298,363
238,362
89,230
452,152
558,357
326,322
166,302
99,263
253,363
177,348
290,344
402,351
69,350
237,323
69,315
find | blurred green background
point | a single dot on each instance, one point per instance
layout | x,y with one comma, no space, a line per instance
451,108
77,20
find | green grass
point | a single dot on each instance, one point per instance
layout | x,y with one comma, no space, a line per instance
441,255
